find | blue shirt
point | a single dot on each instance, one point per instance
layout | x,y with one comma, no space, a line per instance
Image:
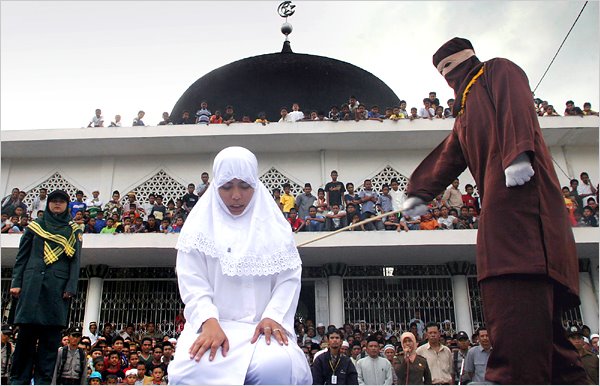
76,206
100,223
476,363
368,206
315,226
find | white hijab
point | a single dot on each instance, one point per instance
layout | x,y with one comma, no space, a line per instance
257,242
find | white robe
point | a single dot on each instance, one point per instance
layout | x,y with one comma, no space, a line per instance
239,303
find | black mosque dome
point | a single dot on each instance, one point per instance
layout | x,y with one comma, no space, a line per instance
271,81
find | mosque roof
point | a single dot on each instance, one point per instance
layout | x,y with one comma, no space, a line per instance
271,81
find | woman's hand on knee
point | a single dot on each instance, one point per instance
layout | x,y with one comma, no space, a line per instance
210,339
270,328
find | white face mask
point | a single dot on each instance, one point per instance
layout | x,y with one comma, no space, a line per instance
449,63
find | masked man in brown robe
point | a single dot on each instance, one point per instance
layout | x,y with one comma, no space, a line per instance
526,259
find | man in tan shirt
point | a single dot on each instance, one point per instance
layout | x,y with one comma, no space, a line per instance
452,197
439,357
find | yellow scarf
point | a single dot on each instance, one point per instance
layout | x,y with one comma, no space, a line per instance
463,102
65,245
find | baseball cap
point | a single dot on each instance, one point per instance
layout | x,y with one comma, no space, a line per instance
59,194
7,329
462,335
574,330
75,331
96,374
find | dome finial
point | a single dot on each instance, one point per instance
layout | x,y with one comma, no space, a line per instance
286,9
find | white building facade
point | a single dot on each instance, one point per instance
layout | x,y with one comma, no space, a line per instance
379,277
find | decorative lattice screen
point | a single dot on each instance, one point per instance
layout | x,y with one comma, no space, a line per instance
160,183
56,181
385,177
273,178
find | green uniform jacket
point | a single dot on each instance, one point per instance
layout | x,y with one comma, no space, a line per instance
42,286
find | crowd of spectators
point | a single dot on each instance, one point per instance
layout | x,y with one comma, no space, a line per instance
352,110
546,110
336,206
140,354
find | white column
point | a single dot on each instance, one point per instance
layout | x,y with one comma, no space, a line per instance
462,304
93,302
336,300
589,302
321,301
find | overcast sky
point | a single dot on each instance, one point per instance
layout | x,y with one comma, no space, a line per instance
62,60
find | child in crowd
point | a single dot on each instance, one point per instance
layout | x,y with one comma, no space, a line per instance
216,118
321,203
277,198
262,118
287,199
356,220
130,377
588,219
138,226
176,228
98,364
296,223
142,378
170,212
428,222
113,366
413,114
14,225
165,226
95,378
157,376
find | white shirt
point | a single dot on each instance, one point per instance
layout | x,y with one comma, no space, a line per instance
295,115
447,221
38,204
96,120
398,198
585,191
287,118
147,209
95,202
423,113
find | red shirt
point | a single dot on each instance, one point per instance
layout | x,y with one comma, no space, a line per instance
295,223
470,201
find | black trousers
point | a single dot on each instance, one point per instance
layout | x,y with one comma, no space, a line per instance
35,354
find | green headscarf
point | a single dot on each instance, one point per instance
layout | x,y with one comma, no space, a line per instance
59,233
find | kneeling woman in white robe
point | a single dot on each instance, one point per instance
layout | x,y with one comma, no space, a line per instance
239,272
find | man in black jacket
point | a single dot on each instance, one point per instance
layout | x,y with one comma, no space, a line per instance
333,368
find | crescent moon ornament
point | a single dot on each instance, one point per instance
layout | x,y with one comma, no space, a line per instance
286,9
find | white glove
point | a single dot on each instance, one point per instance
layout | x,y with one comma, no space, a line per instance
519,172
414,206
